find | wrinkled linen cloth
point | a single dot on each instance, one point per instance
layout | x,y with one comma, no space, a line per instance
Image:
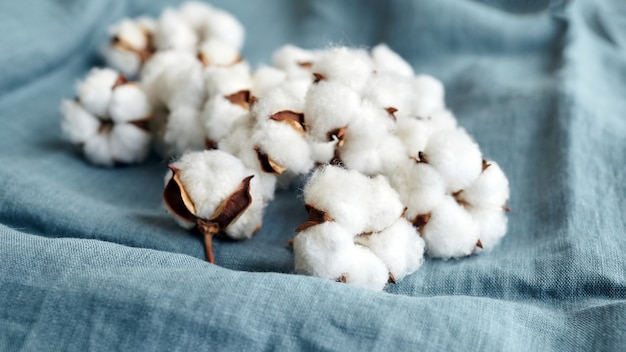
89,260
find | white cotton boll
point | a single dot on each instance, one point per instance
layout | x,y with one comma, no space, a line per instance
367,270
127,62
129,103
455,156
184,131
399,246
492,226
329,105
130,45
214,52
182,84
266,78
95,91
225,27
78,125
131,32
97,150
228,80
414,133
220,115
390,91
295,61
286,97
196,13
322,152
324,251
383,204
129,143
428,95
490,190
341,194
451,232
172,32
388,61
442,120
209,178
371,124
284,145
350,67
372,156
419,185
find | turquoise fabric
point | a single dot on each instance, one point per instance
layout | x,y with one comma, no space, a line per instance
90,261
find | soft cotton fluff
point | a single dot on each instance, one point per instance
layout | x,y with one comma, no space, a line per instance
372,156
130,45
490,190
399,246
220,116
428,95
266,78
209,178
215,24
391,93
450,231
78,124
455,156
213,52
329,106
183,132
227,80
388,61
94,93
420,186
350,67
172,32
284,145
129,103
294,61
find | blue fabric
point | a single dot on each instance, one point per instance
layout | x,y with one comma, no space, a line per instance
90,261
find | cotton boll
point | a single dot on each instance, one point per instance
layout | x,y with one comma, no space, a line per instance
329,105
220,115
428,95
451,232
225,27
414,133
284,145
295,61
367,270
383,204
129,46
389,92
372,156
97,150
265,78
127,62
286,97
490,190
388,61
129,103
399,246
350,67
196,14
184,131
181,84
209,178
341,194
95,91
456,157
228,80
213,52
492,226
419,185
78,125
129,143
441,120
322,152
324,251
172,32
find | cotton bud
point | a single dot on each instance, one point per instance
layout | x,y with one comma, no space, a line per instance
350,67
213,52
449,230
388,61
428,96
215,192
399,246
130,45
94,93
172,32
455,156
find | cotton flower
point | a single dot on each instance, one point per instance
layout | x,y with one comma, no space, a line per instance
215,192
131,45
109,119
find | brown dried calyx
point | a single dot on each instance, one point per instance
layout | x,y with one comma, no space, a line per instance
267,164
420,221
181,205
144,54
421,158
292,118
316,217
242,98
318,77
392,112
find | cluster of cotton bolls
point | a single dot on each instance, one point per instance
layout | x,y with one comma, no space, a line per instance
395,177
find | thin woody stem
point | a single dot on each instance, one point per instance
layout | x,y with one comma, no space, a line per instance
208,247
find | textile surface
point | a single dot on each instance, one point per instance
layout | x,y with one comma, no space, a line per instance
89,260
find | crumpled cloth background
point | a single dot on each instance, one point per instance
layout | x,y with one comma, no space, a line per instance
90,261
